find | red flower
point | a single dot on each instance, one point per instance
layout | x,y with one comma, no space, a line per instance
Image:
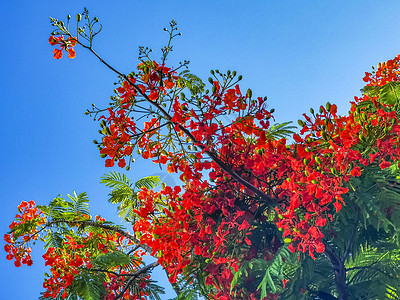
121,163
356,172
109,162
66,45
153,95
385,164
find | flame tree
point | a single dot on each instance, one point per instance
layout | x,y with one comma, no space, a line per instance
261,212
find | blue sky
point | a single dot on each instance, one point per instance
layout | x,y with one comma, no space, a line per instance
298,53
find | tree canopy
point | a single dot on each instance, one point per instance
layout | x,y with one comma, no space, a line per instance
261,212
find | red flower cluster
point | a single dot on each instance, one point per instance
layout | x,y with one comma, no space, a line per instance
121,129
216,222
67,262
17,246
385,73
75,255
66,45
304,179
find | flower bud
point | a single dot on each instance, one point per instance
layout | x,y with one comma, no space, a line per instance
249,93
328,106
210,80
324,136
78,17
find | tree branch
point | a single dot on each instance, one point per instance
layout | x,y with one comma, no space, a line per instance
339,270
352,235
331,255
134,276
214,157
104,226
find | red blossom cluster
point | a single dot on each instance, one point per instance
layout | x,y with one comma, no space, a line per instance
121,129
115,284
65,264
386,72
68,262
303,179
67,45
75,255
17,245
235,173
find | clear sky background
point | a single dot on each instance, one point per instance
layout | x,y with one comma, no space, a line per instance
298,53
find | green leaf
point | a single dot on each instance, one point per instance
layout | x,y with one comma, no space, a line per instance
390,93
112,259
123,192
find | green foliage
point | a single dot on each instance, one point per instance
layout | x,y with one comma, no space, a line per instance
374,274
191,286
280,130
309,278
193,83
367,229
124,192
267,275
59,208
388,94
